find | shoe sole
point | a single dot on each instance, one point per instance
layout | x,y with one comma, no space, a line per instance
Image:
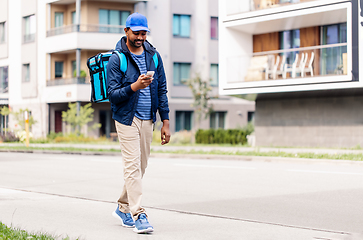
122,222
147,230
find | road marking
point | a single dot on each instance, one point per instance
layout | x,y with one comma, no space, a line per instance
213,166
324,172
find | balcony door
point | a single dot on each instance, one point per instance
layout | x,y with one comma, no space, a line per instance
332,58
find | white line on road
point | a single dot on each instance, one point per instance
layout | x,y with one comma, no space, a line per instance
325,172
213,166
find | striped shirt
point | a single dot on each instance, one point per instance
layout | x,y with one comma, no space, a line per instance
143,109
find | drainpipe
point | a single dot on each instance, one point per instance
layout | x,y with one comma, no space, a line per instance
78,63
78,14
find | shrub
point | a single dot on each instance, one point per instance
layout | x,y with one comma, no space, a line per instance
182,137
220,136
10,137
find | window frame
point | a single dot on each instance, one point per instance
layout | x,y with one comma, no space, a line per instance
210,75
179,25
180,77
29,34
4,79
3,32
26,73
216,28
181,115
55,69
216,116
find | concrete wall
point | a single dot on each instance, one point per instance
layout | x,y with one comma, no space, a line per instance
310,119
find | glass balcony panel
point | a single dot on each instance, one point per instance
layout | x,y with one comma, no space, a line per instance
68,81
307,62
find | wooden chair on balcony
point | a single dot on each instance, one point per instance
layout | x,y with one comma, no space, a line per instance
292,68
309,68
280,70
301,66
271,66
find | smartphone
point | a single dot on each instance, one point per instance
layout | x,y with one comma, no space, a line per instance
150,73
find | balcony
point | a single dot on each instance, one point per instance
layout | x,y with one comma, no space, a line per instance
68,90
296,66
83,36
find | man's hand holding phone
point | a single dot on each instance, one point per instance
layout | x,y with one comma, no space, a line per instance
143,81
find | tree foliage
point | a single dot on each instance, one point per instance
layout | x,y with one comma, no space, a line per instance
76,120
201,93
19,117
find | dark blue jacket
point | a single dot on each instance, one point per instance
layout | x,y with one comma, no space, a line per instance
123,99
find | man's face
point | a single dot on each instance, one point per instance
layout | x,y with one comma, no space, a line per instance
136,39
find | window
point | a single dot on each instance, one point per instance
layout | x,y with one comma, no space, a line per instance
181,73
181,25
4,81
332,58
29,28
290,39
214,28
217,119
114,18
183,120
58,19
58,69
2,32
26,72
214,75
250,116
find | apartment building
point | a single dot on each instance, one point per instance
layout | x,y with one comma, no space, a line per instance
303,59
44,46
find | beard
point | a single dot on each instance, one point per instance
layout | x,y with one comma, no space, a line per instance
137,43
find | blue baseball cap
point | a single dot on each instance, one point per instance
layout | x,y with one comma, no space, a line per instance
137,22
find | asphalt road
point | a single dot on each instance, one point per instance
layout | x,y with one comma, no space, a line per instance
185,198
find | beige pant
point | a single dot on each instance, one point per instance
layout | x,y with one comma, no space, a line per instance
135,141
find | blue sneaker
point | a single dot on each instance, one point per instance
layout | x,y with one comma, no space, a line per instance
126,219
142,225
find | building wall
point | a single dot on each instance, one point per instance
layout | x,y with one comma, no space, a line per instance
310,119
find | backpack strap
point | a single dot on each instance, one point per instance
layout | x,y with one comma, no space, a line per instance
123,61
156,60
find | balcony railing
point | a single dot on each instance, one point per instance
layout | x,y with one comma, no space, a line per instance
305,62
237,6
85,28
67,81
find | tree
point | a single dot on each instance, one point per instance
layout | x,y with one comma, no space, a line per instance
200,90
19,117
78,120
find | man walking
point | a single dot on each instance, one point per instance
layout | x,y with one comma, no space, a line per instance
135,95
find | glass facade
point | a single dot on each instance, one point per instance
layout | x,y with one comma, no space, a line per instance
332,58
113,18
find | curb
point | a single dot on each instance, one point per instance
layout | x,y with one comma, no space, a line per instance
202,156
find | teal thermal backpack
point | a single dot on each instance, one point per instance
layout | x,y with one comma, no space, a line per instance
97,66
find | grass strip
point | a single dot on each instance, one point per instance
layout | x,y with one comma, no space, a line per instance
310,155
7,233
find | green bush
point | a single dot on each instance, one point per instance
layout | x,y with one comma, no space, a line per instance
220,136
